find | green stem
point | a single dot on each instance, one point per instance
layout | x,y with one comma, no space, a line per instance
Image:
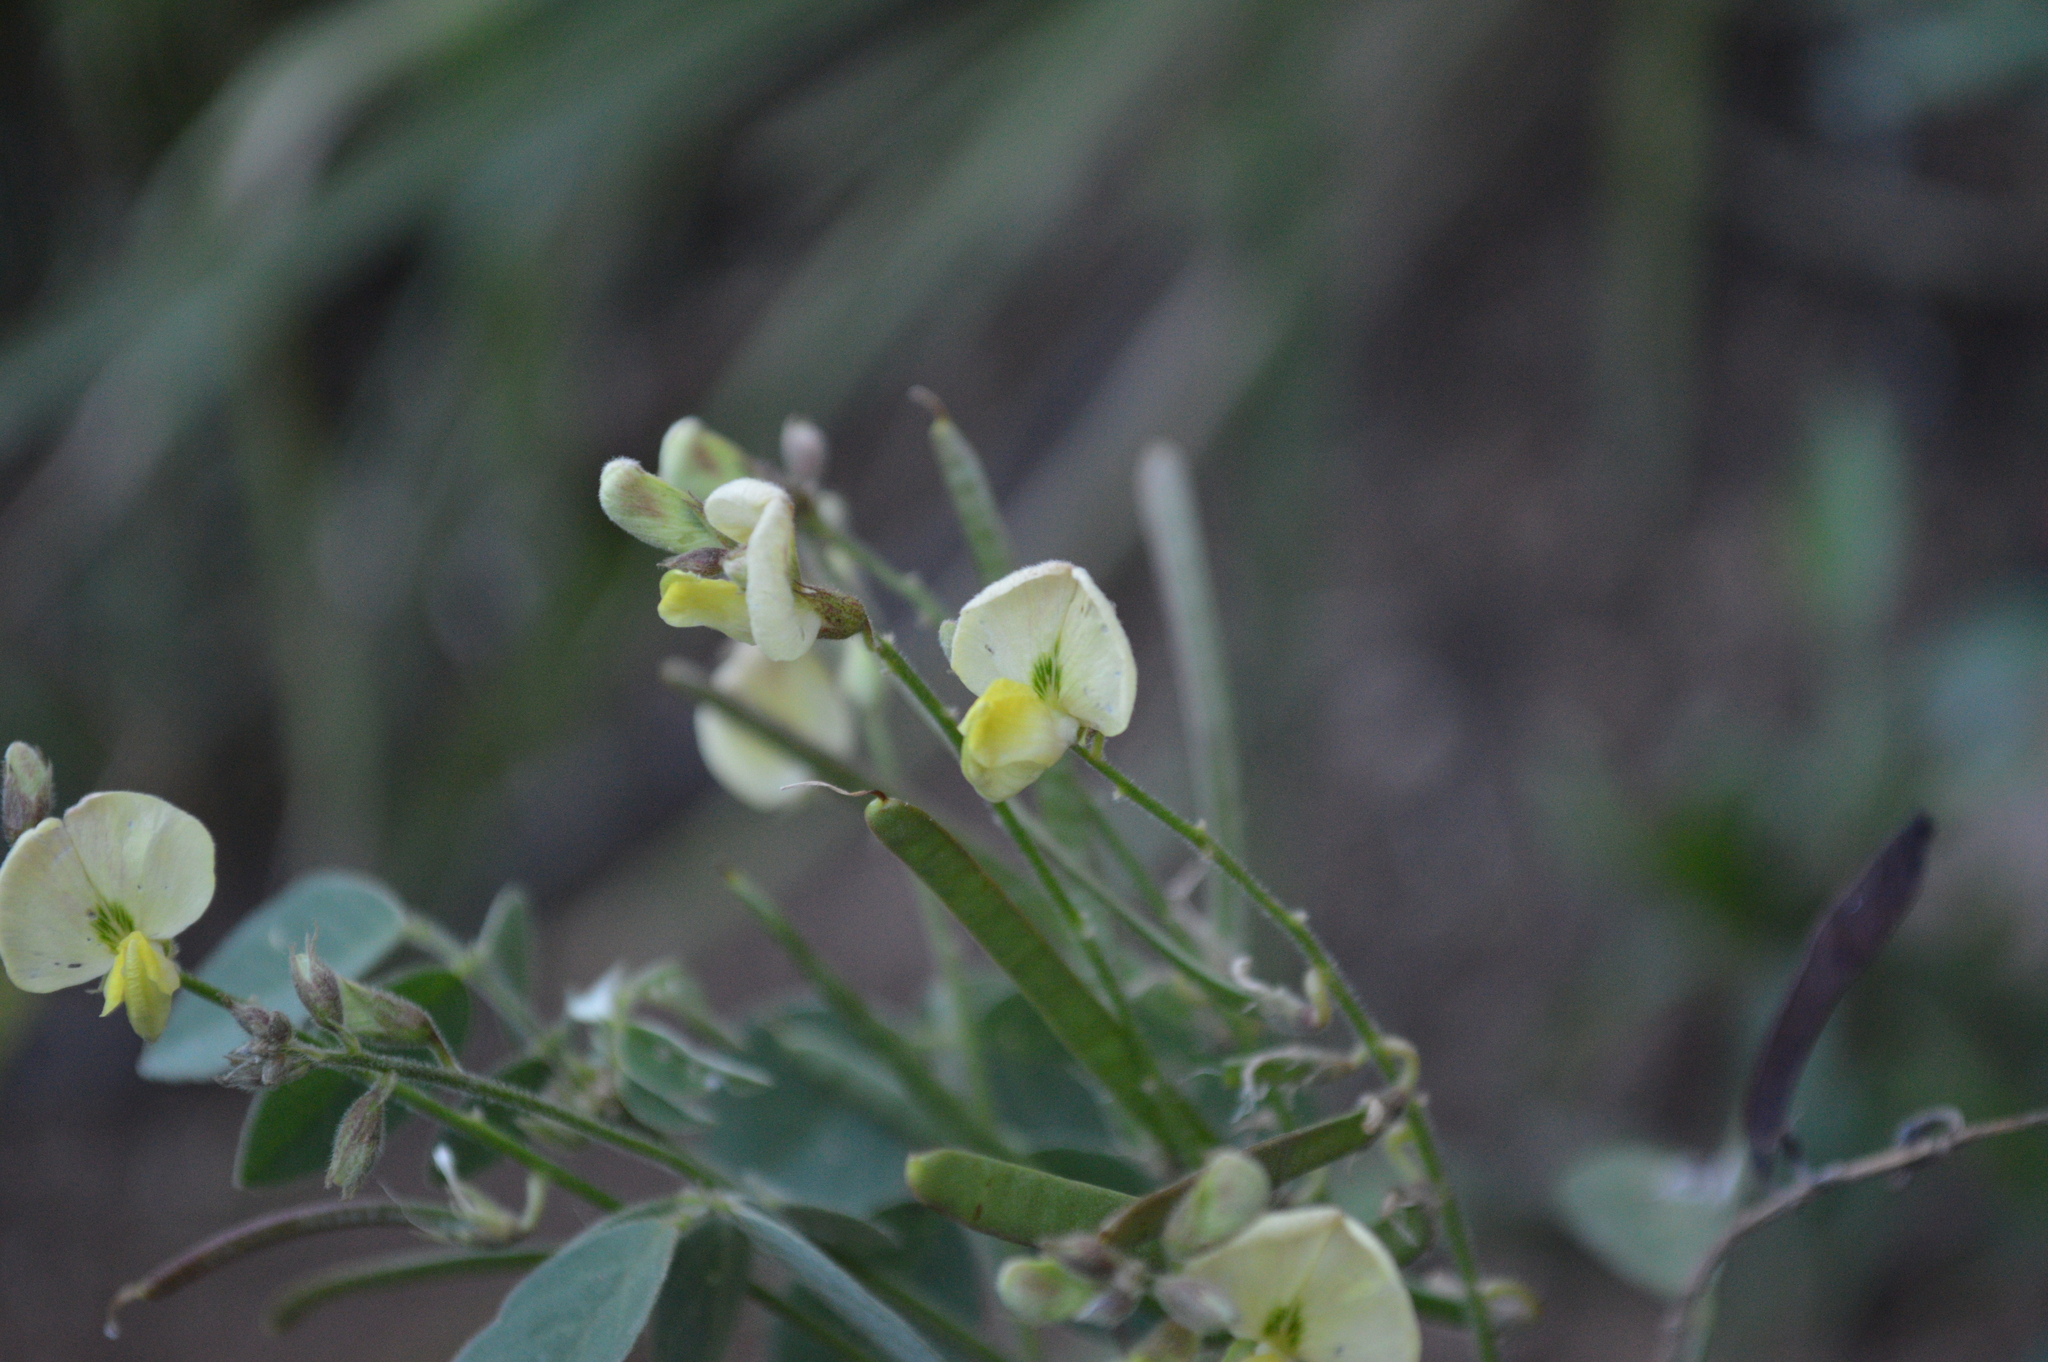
1078,927
926,698
483,1132
682,675
930,609
912,1069
1295,926
476,1128
1084,937
506,1095
1220,990
476,971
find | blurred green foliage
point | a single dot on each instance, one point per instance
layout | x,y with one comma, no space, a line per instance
319,320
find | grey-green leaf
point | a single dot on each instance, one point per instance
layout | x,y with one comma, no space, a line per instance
700,1300
1649,1215
588,1302
357,920
848,1299
506,940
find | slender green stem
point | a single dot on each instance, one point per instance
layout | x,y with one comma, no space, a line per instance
1128,859
477,971
927,699
930,609
483,1132
684,676
1679,1320
1221,990
1295,925
309,1293
944,1108
506,1095
1078,927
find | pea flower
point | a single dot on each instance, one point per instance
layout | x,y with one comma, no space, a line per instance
801,695
1044,652
1313,1285
101,892
734,567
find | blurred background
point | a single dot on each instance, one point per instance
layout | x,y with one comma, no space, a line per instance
1620,430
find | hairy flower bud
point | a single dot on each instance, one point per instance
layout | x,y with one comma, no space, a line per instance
1229,1193
803,451
359,1139
381,1018
28,790
318,987
1041,1291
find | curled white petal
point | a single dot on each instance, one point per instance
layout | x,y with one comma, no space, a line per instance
735,507
1049,627
783,626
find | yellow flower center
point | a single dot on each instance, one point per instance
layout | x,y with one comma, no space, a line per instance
144,978
688,600
1010,737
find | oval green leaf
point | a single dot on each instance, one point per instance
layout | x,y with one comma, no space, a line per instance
848,1299
589,1302
1649,1215
700,1299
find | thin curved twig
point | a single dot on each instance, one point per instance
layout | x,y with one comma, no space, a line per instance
1676,1331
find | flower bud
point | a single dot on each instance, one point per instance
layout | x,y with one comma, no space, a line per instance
696,459
1228,1194
318,987
265,1028
1194,1304
382,1018
28,790
803,451
843,615
1041,1291
359,1139
651,510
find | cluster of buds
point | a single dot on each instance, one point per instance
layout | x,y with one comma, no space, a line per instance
270,1057
1303,1285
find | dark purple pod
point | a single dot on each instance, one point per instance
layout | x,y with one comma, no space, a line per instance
1845,940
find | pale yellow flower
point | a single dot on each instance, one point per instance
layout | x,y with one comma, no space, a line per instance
801,695
101,892
1043,651
1313,1285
